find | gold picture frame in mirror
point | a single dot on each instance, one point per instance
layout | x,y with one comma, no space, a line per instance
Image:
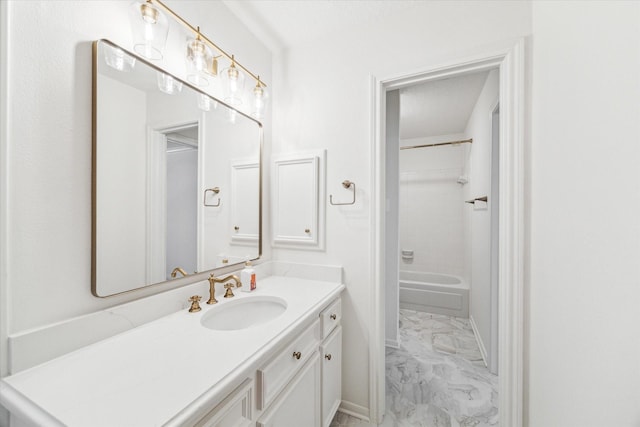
176,177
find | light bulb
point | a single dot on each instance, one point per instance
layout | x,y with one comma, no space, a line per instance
233,83
232,72
259,96
198,54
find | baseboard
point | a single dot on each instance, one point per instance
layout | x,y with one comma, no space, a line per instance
355,410
483,350
392,343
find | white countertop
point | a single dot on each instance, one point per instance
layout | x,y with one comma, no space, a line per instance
166,368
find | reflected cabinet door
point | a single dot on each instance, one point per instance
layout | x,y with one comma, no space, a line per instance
298,211
245,202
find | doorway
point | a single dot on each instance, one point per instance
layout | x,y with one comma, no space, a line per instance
441,181
172,190
182,191
509,59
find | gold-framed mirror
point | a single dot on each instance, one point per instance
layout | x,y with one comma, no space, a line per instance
176,178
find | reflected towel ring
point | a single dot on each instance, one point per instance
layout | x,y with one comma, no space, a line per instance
346,184
214,190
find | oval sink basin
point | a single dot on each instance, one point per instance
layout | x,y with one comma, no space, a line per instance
244,313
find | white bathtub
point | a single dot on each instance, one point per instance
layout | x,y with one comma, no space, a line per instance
434,293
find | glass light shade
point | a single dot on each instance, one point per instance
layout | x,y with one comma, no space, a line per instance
168,84
233,85
150,29
117,59
205,102
260,96
198,59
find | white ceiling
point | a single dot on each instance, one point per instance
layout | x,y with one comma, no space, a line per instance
288,23
435,108
440,107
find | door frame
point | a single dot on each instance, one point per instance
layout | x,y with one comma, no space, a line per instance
509,58
156,195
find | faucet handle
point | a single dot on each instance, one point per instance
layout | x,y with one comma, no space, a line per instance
229,292
195,303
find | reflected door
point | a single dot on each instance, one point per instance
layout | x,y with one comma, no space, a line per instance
182,185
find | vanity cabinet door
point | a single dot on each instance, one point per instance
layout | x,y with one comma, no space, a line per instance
234,411
299,403
331,354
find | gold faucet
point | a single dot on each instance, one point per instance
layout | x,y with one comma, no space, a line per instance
177,270
229,293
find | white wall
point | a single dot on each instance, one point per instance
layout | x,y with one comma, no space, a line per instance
584,285
219,156
121,188
323,101
48,206
431,205
479,128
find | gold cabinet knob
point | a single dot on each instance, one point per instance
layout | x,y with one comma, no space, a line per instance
327,356
297,355
333,317
195,303
306,230
236,228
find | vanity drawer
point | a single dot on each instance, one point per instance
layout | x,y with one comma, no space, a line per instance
274,377
330,317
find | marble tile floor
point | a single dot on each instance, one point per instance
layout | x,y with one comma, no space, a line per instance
436,378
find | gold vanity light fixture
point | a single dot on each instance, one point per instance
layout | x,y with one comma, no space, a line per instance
200,61
150,28
233,84
259,97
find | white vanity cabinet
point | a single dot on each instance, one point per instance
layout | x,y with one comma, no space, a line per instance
301,385
285,373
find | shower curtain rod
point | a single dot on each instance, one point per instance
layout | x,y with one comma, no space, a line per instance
470,140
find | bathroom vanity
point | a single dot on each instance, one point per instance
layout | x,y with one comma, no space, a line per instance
202,369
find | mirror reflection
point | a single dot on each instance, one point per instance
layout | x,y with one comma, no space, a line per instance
176,177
